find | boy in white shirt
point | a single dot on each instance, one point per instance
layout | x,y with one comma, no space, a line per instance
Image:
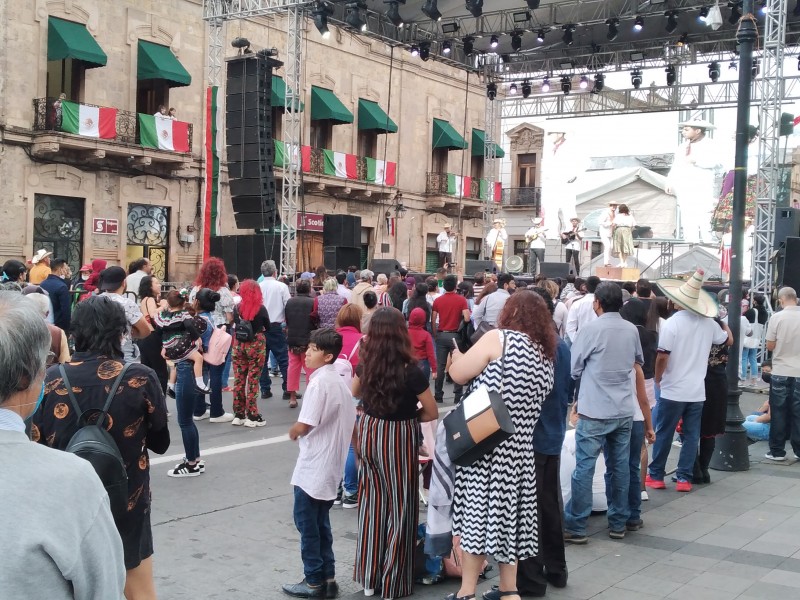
325,428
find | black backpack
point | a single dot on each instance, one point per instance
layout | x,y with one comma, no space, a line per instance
244,328
94,443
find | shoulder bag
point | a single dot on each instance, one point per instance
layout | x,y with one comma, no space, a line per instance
480,423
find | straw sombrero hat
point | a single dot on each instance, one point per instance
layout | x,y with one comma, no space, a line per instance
690,294
697,124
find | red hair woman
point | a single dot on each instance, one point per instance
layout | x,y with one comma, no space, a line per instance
248,354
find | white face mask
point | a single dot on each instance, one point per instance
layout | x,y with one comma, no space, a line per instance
84,276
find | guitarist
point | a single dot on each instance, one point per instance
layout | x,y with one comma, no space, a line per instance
536,238
571,238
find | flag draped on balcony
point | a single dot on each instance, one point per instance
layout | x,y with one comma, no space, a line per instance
281,160
484,190
339,164
381,172
163,133
458,185
90,121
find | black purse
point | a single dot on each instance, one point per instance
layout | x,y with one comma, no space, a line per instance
479,424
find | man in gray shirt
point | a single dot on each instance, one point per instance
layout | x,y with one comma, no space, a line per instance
604,356
489,308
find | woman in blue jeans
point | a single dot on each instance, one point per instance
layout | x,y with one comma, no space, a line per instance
204,304
186,399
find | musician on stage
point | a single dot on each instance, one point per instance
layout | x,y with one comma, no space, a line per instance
571,238
496,241
607,231
445,241
536,238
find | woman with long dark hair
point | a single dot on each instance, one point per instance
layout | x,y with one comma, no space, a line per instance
494,501
418,299
390,385
150,347
398,293
249,355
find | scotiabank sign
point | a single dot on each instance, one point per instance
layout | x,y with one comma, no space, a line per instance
310,221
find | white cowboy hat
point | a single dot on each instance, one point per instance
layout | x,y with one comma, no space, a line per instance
537,220
613,203
40,256
498,220
446,226
690,294
697,123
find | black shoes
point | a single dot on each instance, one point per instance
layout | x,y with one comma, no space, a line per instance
265,394
303,589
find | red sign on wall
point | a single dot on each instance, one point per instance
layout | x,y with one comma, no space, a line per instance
105,226
310,221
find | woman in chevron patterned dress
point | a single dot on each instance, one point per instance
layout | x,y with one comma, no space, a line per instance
494,503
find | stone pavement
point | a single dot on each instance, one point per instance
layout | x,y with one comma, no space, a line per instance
229,533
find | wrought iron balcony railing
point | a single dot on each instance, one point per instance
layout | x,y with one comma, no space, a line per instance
528,197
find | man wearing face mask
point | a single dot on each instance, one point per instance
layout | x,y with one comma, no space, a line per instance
79,280
59,537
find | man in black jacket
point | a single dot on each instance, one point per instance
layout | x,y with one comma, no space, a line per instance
298,332
55,284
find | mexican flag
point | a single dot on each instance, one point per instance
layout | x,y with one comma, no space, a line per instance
458,185
498,191
301,159
90,121
381,172
163,133
339,164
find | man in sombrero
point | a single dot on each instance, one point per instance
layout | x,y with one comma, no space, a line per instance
684,343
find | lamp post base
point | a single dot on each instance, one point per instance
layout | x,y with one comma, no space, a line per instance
731,451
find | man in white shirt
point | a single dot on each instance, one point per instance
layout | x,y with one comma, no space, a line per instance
341,287
445,241
571,238
684,343
582,310
536,237
606,231
276,295
138,269
783,340
490,307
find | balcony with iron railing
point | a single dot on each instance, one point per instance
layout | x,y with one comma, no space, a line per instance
447,188
49,120
529,198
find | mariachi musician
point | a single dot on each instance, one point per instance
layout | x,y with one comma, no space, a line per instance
536,240
571,238
496,242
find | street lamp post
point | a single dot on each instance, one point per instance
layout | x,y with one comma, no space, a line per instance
731,450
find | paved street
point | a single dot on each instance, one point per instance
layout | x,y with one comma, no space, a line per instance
229,533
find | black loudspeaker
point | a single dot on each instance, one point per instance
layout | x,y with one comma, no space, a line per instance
341,230
787,224
243,254
787,266
248,136
472,266
384,265
340,257
551,270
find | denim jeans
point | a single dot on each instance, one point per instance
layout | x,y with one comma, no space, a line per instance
213,376
749,358
351,470
226,371
668,413
784,407
186,400
591,435
635,467
273,362
755,430
312,519
444,346
276,343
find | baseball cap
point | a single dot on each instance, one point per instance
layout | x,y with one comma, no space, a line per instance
112,278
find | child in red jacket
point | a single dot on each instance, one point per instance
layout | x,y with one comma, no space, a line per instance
422,342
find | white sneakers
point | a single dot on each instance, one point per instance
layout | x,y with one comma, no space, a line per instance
223,418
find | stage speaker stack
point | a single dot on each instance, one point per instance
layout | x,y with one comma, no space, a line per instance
787,224
339,258
341,238
551,270
472,266
384,265
787,264
248,135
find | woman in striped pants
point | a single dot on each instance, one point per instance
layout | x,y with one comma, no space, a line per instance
391,386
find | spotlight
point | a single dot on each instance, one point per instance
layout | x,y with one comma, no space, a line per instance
540,34
493,42
713,71
683,40
672,21
546,86
533,4
449,28
636,78
599,82
736,14
393,14
353,17
521,17
475,7
703,14
568,31
595,48
526,89
516,41
512,89
763,10
321,13
638,23
798,63
425,50
672,77
613,29
491,91
431,10
755,68
566,84
584,82
446,47
414,51
467,41
733,66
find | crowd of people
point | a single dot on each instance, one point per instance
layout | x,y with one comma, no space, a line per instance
634,367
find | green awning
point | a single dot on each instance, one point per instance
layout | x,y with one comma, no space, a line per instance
372,118
158,62
479,143
66,39
278,98
325,106
444,136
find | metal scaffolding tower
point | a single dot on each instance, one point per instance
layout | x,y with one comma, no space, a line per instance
489,163
772,95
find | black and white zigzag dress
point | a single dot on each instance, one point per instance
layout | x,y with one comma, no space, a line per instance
494,503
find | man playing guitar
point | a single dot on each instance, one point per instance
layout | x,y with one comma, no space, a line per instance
536,238
571,238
